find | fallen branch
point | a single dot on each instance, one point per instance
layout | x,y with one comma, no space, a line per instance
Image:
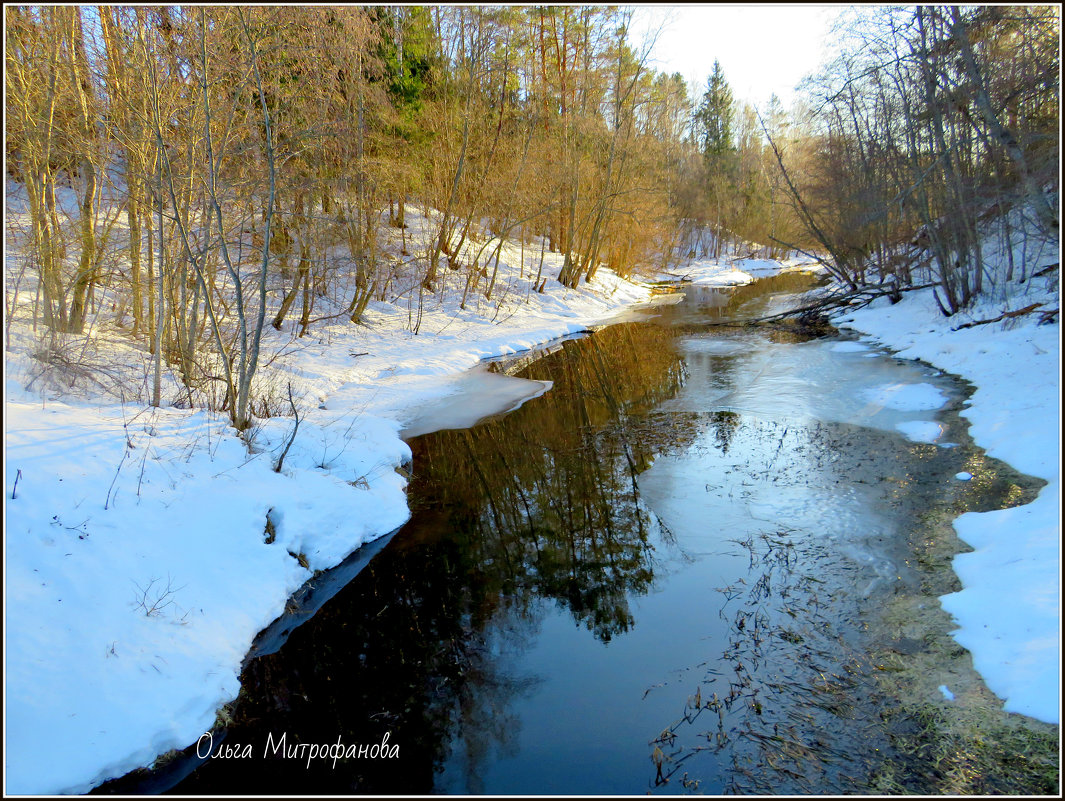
1043,271
851,300
1003,316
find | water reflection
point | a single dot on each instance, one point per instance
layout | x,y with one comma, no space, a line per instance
537,510
549,494
717,306
787,698
660,567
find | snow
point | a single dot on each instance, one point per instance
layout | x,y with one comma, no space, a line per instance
137,568
1008,610
732,271
947,694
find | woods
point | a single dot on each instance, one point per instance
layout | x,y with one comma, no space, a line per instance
192,174
934,144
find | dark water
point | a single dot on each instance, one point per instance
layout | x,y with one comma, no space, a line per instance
659,576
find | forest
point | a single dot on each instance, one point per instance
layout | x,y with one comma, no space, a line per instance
191,175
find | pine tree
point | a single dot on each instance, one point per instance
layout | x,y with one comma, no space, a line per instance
714,118
714,125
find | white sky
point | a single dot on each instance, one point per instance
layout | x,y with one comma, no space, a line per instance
762,48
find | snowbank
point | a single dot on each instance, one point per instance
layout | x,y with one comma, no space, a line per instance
145,548
1008,612
728,271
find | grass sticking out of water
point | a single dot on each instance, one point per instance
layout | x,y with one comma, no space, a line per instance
836,692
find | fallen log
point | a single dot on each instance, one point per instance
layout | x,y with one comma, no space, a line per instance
850,300
1003,316
1042,271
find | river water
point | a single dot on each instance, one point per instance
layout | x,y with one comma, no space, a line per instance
662,575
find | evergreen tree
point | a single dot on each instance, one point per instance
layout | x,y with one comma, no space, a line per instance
408,51
714,126
714,118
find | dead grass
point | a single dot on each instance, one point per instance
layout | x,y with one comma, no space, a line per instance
968,745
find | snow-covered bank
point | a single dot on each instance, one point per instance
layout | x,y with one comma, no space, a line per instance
736,271
145,548
1008,612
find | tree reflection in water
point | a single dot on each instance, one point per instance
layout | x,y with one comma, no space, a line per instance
549,494
541,505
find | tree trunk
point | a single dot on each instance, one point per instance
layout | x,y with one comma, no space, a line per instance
133,215
86,274
1033,193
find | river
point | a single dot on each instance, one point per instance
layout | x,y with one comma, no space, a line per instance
669,573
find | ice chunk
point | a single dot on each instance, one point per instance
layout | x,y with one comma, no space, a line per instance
920,430
473,396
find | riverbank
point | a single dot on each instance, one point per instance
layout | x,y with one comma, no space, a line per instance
146,547
1008,610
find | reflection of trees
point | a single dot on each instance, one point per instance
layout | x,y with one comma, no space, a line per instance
724,424
541,502
735,304
551,489
411,648
760,293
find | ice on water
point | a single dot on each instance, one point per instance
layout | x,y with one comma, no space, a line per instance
906,397
819,380
469,398
920,430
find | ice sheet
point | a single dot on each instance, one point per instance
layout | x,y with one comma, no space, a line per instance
906,397
812,380
470,398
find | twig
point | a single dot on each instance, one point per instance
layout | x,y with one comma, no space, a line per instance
14,489
295,428
144,459
107,500
163,598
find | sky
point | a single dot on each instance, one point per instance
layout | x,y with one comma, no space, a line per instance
763,49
